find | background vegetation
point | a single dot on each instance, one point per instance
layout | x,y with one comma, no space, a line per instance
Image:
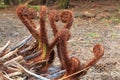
61,3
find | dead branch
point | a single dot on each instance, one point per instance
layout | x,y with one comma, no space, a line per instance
14,74
18,58
32,56
56,75
30,73
7,77
8,55
5,47
22,43
2,76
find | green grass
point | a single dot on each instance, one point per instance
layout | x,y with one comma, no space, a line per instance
36,7
94,35
113,35
2,6
115,19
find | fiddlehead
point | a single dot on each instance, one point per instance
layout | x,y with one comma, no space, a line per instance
46,53
54,17
98,51
43,35
26,15
70,64
67,17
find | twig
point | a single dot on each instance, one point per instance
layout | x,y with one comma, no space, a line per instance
23,42
8,55
30,73
6,76
18,58
85,69
33,55
14,74
5,47
1,76
13,69
43,61
56,74
26,50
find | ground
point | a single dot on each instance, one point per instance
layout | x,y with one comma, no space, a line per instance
97,22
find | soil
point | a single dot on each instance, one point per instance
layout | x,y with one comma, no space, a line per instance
94,22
